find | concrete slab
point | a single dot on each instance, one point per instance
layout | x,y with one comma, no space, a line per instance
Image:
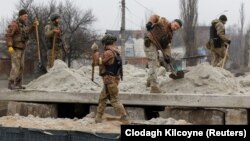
168,99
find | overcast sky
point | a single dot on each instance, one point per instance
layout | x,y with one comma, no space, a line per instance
108,12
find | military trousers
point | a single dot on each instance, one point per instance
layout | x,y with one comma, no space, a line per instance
110,92
218,56
58,54
17,65
152,56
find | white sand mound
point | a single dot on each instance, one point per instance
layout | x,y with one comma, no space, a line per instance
61,78
203,79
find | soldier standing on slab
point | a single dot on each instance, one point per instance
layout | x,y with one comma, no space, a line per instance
16,38
160,30
53,36
218,41
110,65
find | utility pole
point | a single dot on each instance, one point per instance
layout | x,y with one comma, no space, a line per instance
123,32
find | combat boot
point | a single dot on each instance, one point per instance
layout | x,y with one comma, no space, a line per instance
98,118
155,89
11,85
19,84
124,119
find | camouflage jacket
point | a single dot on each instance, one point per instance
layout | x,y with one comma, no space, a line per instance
220,28
18,34
49,34
161,31
220,33
108,58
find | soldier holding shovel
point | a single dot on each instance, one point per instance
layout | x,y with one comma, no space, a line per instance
159,36
16,38
219,43
53,36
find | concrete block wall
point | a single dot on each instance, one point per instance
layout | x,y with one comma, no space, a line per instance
207,116
135,113
35,109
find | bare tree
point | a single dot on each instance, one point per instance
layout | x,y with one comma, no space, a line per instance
247,48
189,15
75,23
3,25
243,49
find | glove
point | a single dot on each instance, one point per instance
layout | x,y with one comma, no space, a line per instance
10,50
36,23
57,31
167,60
149,26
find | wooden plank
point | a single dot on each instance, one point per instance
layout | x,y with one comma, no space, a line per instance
168,99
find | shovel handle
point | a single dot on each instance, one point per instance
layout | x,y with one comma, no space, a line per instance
173,70
224,59
164,55
37,41
53,50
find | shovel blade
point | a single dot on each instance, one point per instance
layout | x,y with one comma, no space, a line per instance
178,75
42,68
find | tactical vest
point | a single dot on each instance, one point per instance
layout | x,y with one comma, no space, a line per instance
214,36
21,35
161,34
115,68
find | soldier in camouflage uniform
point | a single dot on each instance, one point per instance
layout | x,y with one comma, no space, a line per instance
218,41
52,30
110,65
160,32
16,38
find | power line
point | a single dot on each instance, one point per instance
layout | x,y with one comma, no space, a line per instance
144,6
133,22
117,20
132,13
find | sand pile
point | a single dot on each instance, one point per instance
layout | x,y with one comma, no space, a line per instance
62,78
85,124
204,79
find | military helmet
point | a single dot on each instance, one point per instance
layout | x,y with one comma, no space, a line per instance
54,16
223,18
108,39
